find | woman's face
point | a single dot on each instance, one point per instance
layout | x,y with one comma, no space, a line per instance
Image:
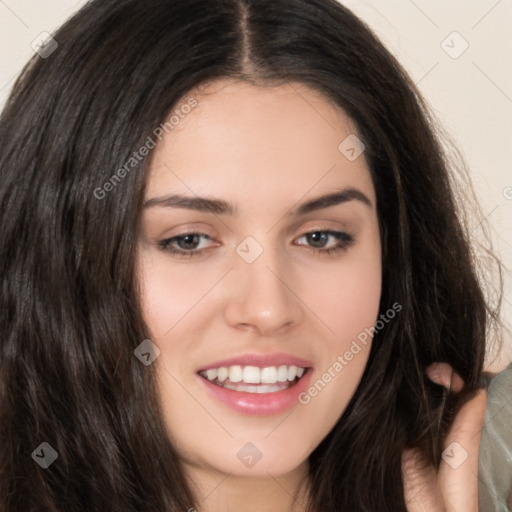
282,276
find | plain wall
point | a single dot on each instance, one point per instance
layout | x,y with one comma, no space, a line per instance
457,52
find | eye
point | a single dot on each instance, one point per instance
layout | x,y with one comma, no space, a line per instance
319,241
327,241
188,244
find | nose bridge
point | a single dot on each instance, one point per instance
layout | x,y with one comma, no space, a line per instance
261,295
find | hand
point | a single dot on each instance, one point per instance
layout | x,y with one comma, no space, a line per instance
448,489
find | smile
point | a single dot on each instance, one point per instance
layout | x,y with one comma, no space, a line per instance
252,379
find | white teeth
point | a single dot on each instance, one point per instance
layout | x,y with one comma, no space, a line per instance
211,374
235,373
222,374
251,375
255,389
254,375
268,389
282,373
269,375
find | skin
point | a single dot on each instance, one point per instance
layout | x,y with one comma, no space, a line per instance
450,488
272,147
253,146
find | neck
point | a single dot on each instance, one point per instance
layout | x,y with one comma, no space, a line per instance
221,492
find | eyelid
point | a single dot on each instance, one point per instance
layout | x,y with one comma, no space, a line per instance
344,242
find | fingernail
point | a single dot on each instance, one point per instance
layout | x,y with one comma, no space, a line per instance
433,373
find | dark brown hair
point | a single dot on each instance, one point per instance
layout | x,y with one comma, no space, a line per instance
69,311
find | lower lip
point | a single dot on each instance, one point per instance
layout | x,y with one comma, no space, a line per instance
259,404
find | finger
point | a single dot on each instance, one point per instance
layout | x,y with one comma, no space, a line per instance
420,484
443,374
458,473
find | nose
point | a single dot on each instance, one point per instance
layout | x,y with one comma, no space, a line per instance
262,298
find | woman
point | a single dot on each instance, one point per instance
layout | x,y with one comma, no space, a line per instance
200,193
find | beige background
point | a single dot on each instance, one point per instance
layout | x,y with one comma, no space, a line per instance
469,89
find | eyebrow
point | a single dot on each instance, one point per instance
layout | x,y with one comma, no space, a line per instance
221,207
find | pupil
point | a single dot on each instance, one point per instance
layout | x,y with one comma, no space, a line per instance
185,241
317,239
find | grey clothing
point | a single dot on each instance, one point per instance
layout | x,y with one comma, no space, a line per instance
495,453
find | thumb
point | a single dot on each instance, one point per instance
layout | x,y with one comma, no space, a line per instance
458,473
420,483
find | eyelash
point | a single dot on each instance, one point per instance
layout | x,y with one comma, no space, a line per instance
344,242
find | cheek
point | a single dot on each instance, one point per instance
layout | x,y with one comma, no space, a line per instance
346,300
169,295
345,295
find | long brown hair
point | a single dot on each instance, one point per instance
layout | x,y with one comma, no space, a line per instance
69,314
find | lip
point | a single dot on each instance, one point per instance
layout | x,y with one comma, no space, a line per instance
261,361
258,404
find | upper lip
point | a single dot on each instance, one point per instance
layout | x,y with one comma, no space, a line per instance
260,360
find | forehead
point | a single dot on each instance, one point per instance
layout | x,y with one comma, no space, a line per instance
243,139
